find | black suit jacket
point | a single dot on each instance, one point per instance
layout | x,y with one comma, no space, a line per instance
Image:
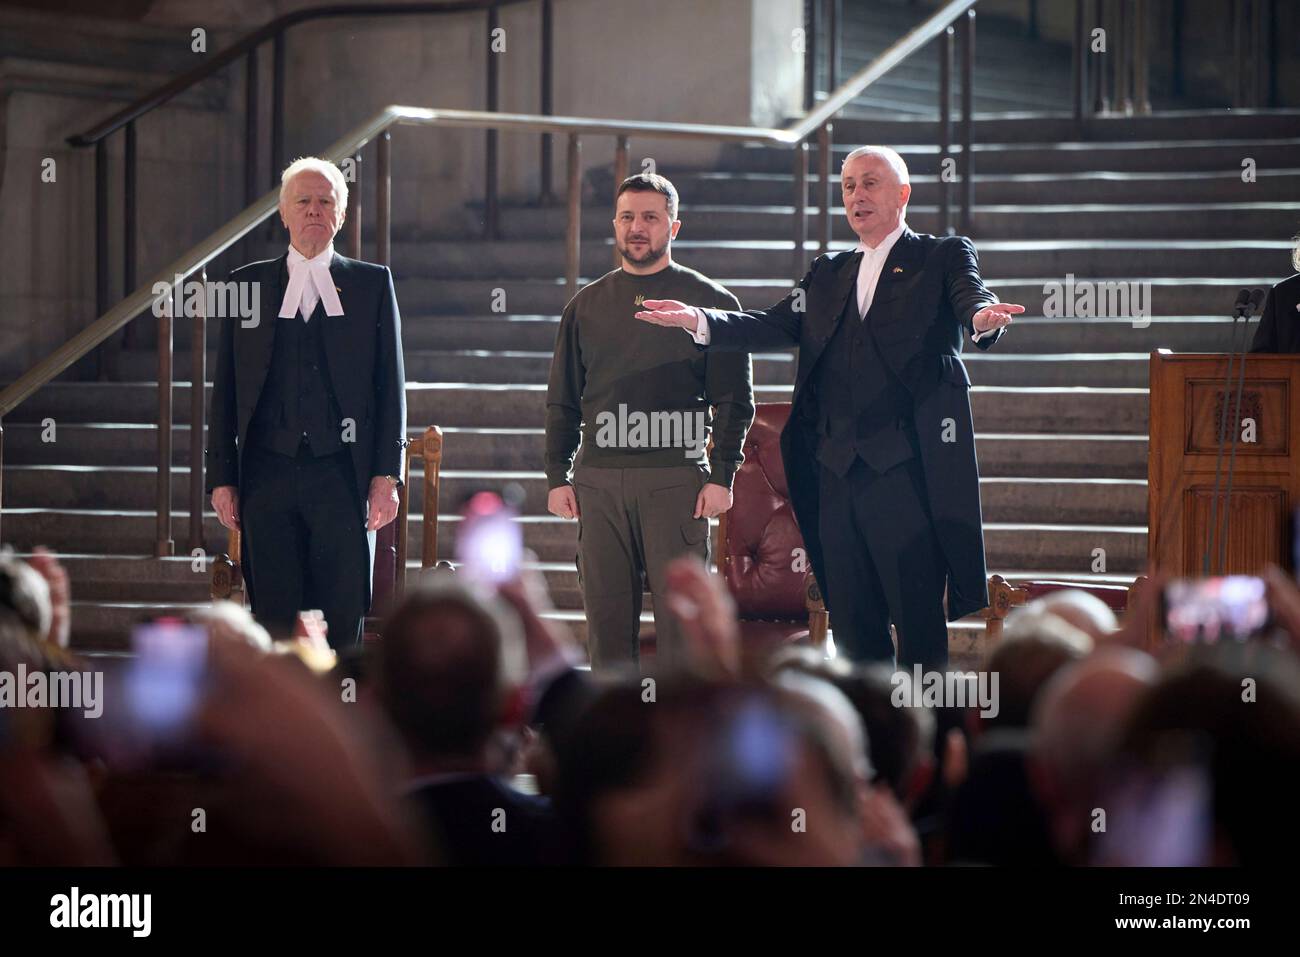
929,290
460,813
1279,323
363,350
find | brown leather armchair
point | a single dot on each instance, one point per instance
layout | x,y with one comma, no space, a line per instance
387,585
760,552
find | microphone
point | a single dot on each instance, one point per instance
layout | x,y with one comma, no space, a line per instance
1257,298
1243,301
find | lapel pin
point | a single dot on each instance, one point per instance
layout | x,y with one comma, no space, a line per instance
898,269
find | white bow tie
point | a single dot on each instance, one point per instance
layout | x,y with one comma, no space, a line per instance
299,296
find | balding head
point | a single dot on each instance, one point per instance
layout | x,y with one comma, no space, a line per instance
1086,612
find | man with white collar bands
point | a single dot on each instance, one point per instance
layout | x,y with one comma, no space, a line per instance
879,450
308,422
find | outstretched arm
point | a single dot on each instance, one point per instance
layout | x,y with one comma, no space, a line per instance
753,330
974,305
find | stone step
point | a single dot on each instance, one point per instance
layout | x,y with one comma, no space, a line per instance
112,407
997,367
913,87
1043,335
500,366
1093,370
1170,296
103,628
514,449
133,531
1033,334
1061,188
135,487
707,220
427,337
1011,409
1140,156
495,263
1221,125
116,579
1029,545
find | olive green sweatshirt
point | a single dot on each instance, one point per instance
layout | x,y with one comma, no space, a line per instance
639,395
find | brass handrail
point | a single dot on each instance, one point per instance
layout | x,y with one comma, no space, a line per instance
269,31
238,227
198,257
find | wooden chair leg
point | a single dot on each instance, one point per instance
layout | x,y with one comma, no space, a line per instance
227,575
819,619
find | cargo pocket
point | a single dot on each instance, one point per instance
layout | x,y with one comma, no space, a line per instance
695,531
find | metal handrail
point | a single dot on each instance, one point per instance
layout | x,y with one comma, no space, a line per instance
196,259
156,98
242,224
248,48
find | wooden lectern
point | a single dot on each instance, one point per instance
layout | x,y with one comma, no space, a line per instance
1187,401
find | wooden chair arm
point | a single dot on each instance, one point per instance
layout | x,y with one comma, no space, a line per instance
1003,596
819,619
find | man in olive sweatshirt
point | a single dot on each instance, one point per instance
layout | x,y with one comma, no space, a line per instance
638,398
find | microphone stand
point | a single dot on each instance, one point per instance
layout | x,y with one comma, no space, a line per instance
1245,306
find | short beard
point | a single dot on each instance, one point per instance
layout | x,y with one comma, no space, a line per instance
652,255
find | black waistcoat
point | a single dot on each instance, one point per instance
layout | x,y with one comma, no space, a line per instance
864,411
297,400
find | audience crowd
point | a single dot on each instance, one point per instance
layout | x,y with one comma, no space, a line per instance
472,734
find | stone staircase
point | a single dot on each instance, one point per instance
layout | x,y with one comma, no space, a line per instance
1060,406
1013,72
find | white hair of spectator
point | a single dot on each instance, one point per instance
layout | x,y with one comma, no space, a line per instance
891,158
1086,612
314,164
29,596
1028,623
225,619
842,719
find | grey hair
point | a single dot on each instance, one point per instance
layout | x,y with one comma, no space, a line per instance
1099,615
314,164
890,156
24,596
1044,625
233,621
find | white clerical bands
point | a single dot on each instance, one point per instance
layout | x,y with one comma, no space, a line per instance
319,275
